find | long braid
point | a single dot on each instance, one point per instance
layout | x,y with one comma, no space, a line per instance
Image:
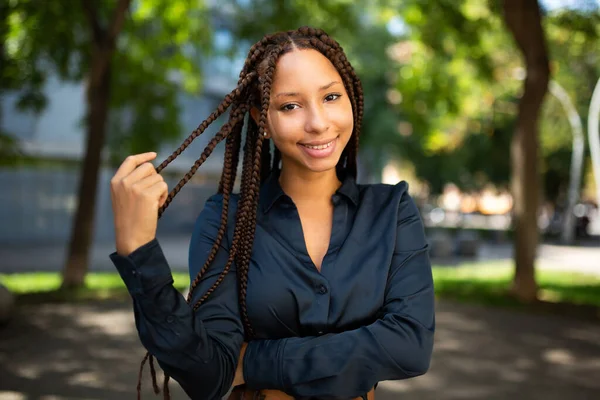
235,118
226,183
244,214
232,254
221,108
254,90
255,180
265,164
232,150
222,134
227,189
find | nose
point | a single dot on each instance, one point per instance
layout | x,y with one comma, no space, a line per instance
316,120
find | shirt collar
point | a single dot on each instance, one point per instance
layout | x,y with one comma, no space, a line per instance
271,191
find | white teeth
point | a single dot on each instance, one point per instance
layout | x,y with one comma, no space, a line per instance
319,147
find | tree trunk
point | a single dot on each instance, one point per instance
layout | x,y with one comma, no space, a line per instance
523,19
97,101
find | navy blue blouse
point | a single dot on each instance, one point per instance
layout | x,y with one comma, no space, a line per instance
366,317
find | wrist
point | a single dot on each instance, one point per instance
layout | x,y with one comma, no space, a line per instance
125,249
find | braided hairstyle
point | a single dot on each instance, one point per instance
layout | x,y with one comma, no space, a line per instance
254,90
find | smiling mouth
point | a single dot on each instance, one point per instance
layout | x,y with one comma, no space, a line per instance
320,146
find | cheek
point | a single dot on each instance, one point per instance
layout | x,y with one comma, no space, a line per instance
285,128
344,119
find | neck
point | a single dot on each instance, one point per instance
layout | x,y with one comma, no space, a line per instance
309,186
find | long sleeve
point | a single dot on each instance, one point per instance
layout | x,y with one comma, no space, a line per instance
398,345
199,349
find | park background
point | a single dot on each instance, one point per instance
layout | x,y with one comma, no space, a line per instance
489,109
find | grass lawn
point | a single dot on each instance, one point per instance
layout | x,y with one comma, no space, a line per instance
489,283
43,286
485,283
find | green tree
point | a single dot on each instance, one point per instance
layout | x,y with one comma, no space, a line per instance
13,73
127,54
524,21
451,79
478,156
573,41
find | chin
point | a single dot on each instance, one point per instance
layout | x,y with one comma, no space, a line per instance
322,165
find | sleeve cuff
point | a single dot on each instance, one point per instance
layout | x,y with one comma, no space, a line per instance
263,364
143,269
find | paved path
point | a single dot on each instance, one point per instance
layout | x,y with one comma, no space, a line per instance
91,351
51,257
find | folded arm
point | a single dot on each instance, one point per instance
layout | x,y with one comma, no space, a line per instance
348,364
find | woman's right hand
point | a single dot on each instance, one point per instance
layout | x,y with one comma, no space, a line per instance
137,192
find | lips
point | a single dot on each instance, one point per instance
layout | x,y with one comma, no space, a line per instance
319,149
319,146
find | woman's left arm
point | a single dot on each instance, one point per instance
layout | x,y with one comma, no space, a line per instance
348,364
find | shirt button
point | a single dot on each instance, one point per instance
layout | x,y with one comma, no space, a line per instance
322,289
170,319
133,272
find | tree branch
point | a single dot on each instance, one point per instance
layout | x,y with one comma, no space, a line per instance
92,17
118,21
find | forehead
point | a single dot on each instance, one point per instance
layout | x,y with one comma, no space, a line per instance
304,68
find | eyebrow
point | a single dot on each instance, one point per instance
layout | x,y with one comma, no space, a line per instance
292,94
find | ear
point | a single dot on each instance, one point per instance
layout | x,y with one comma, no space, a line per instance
255,114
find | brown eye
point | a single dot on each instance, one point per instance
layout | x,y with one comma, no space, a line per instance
333,96
288,107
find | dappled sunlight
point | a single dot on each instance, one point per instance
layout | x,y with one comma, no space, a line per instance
559,356
584,335
459,322
73,351
117,323
92,351
6,395
487,353
88,378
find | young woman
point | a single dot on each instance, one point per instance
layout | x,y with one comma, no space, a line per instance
334,291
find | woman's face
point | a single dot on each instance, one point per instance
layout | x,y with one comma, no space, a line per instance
310,115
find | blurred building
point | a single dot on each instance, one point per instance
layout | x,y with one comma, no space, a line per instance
38,204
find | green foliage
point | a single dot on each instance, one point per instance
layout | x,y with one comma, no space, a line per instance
158,54
440,94
255,18
457,80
